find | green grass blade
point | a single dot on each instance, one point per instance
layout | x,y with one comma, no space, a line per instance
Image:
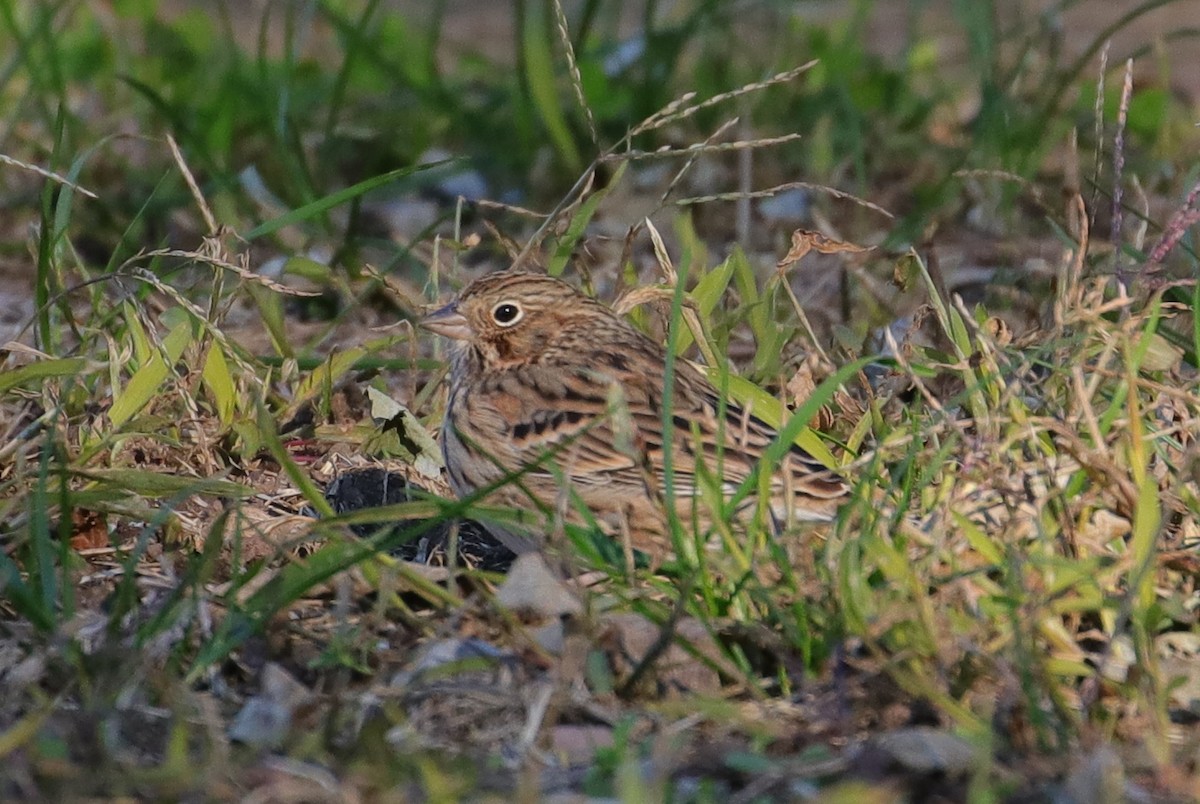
564,248
219,381
149,483
23,598
707,294
539,76
41,371
336,199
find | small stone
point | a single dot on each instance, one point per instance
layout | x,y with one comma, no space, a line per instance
532,587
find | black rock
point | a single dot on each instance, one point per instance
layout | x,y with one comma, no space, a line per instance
375,487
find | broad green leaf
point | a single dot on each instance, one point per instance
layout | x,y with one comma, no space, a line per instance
308,269
220,383
979,540
268,431
711,287
768,335
248,435
1147,519
327,374
693,252
60,367
1160,354
25,730
793,429
707,295
147,381
1069,668
159,484
1152,352
142,348
1196,324
958,331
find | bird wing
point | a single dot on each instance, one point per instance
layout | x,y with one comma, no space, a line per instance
601,427
561,416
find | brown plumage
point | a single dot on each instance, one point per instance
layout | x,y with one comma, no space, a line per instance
553,386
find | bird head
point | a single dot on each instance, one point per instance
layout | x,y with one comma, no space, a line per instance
512,317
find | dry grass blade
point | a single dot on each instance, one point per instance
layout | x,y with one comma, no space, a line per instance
679,174
779,188
47,174
1098,130
706,147
1118,209
210,220
679,110
484,203
240,268
1184,218
1069,293
564,37
197,314
689,314
804,241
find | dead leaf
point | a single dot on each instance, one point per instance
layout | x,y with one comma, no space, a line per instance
404,434
801,386
89,530
999,330
804,241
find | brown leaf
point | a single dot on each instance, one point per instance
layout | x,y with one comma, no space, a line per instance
1185,561
89,530
804,241
999,330
801,386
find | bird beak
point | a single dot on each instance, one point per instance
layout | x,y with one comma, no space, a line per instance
448,321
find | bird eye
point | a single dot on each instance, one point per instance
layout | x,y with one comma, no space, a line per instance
506,314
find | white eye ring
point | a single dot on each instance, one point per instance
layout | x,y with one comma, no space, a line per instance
507,313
